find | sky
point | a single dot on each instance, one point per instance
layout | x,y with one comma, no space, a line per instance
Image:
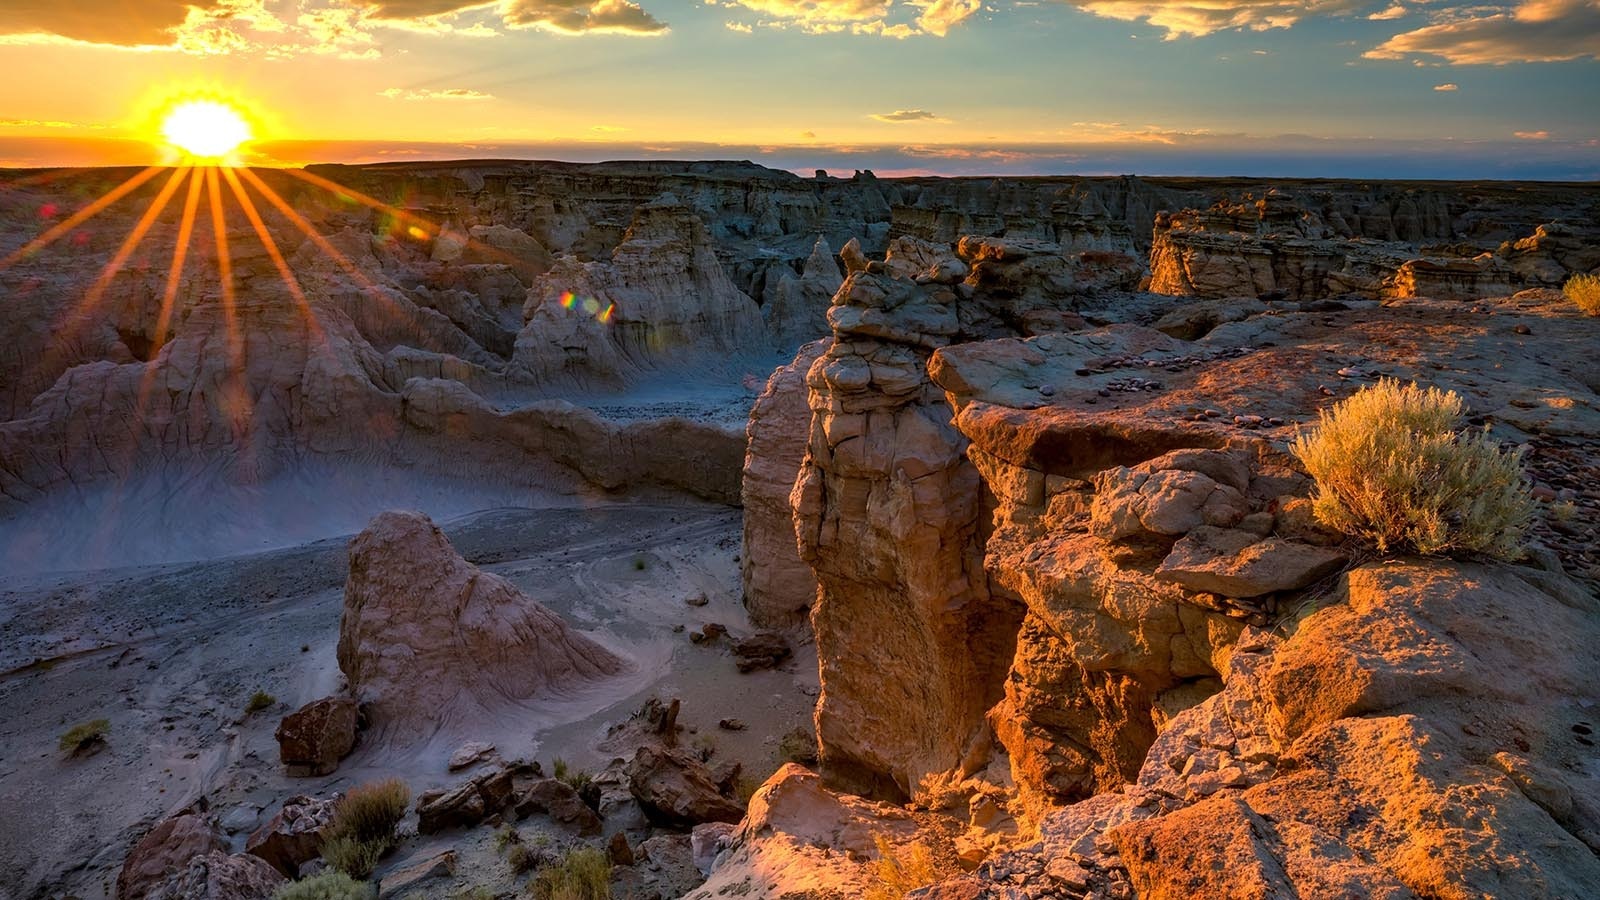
1338,88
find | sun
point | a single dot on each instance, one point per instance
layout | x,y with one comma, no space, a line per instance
205,129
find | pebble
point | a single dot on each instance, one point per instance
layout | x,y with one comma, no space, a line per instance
1522,329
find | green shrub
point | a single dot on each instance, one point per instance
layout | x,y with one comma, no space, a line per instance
523,858
1392,469
577,779
362,829
900,873
583,874
353,856
258,701
329,885
798,746
1584,290
84,735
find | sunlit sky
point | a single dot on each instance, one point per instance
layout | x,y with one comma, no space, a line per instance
1331,87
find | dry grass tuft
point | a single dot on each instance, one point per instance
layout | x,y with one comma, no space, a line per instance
1391,468
901,872
324,886
363,825
84,735
1584,290
583,874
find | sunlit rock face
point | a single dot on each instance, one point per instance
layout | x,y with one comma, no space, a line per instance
427,640
889,509
1203,698
1392,242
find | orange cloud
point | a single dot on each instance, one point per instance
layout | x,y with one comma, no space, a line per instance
1533,31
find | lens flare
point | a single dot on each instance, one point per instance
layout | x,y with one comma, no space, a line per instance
205,129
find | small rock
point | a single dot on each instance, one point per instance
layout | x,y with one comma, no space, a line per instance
619,851
1522,329
470,754
761,651
313,738
698,600
731,725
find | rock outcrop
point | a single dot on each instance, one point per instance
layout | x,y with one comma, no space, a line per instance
168,849
779,587
428,639
314,738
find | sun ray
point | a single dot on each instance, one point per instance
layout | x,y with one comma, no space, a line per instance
234,393
81,216
271,245
169,296
91,299
335,187
306,228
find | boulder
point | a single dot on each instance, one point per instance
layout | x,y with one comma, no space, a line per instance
677,789
761,651
314,738
459,807
218,876
414,877
293,836
560,801
1237,563
167,848
470,754
663,869
429,640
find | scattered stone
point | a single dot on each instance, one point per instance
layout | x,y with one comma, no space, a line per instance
561,802
761,651
407,878
731,724
677,789
293,836
619,851
470,754
168,847
314,738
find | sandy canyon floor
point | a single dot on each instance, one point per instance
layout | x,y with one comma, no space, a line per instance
171,654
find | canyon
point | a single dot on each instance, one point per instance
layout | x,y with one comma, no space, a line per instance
819,519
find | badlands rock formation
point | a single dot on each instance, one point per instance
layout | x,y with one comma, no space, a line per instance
1101,575
429,640
1431,245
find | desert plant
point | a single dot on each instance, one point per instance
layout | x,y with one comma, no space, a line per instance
798,746
258,701
1391,468
506,837
329,885
353,856
523,858
363,824
577,779
1584,290
583,873
84,735
901,872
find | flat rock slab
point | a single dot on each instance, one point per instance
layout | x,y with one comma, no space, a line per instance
1237,563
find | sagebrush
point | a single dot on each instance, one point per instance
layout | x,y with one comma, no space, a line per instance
901,871
84,735
1392,468
582,874
329,885
1584,290
363,825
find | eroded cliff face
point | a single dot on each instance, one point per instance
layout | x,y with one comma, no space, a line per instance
1191,692
1311,246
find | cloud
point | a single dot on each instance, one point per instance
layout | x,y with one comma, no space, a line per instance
1531,135
740,27
430,94
1532,31
940,16
1447,87
128,23
908,115
1195,18
583,17
1394,12
866,17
